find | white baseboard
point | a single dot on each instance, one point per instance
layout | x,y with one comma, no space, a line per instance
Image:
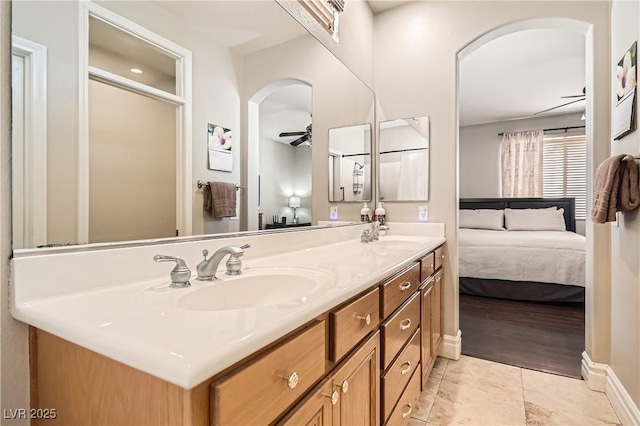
602,378
621,401
451,346
594,374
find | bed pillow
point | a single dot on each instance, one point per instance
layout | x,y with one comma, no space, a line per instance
549,219
482,219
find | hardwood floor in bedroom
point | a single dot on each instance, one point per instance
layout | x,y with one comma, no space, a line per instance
546,337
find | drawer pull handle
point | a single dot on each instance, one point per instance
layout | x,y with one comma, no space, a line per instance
292,380
431,267
366,319
438,279
345,386
405,286
406,414
406,323
334,397
406,370
442,256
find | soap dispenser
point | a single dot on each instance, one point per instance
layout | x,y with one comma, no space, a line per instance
365,214
381,215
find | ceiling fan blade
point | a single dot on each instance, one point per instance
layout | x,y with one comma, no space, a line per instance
572,96
283,134
300,140
559,106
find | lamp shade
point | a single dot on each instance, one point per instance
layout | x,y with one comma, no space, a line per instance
294,201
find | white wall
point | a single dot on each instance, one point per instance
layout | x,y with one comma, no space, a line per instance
416,74
625,240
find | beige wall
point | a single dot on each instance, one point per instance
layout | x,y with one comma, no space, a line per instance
416,74
625,240
14,353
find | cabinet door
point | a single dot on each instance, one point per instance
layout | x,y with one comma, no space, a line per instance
315,410
436,313
358,383
426,330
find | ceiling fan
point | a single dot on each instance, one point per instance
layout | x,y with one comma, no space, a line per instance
305,136
580,98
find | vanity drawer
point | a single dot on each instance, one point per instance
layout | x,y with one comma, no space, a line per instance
353,322
261,391
398,375
401,415
427,266
439,257
397,329
399,288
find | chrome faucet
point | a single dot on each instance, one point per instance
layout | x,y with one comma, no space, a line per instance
208,267
180,274
372,234
375,232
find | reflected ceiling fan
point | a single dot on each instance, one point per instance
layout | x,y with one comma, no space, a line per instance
580,98
305,136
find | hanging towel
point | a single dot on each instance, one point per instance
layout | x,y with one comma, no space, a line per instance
629,193
220,199
615,189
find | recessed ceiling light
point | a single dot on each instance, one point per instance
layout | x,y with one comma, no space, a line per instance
136,70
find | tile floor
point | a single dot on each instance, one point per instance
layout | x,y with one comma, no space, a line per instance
473,391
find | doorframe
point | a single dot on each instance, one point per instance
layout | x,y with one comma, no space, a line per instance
182,99
34,158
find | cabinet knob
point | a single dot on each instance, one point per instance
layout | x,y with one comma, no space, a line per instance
407,369
334,397
442,256
292,380
344,386
406,323
407,413
405,286
438,279
366,319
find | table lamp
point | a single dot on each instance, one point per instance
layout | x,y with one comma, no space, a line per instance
294,202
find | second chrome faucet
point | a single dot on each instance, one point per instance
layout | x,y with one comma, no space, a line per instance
208,267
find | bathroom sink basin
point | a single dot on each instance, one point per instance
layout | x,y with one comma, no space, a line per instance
258,287
398,242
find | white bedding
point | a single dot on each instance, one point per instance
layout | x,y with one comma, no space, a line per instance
540,256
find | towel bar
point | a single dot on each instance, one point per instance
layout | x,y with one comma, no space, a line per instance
201,184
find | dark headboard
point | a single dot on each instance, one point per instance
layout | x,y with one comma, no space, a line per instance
568,204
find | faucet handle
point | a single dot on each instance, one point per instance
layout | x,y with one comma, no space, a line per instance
205,253
180,274
245,246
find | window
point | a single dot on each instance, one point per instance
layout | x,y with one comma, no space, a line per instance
327,13
564,169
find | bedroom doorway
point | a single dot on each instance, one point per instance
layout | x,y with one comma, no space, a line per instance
532,315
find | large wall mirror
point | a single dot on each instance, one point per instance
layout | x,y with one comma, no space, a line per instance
404,159
113,102
350,163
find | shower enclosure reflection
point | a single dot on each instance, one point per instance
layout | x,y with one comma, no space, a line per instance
350,163
404,159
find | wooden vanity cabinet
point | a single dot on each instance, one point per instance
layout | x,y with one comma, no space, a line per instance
349,396
432,299
329,371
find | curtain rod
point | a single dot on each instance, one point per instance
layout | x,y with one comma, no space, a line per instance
403,150
555,129
356,155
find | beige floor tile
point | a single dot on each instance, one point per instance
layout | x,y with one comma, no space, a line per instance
478,392
558,400
427,398
416,422
439,367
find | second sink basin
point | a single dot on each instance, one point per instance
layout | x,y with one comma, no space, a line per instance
258,287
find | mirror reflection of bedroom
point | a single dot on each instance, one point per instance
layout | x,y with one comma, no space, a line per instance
522,177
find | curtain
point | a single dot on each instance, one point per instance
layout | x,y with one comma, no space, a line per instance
412,182
521,161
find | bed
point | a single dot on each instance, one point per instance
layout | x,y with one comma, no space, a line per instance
535,260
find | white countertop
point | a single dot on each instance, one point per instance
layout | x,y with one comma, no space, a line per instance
142,324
